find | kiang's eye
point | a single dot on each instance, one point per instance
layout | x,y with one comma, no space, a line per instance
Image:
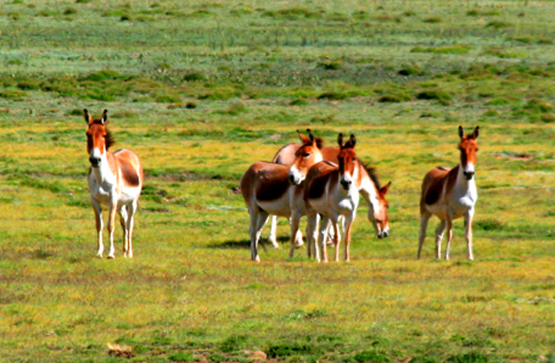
306,155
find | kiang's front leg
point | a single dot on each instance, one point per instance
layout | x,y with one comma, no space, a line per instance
468,232
348,226
312,220
99,226
323,237
449,226
112,226
294,221
337,237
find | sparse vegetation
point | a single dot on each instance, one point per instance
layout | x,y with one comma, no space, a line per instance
202,89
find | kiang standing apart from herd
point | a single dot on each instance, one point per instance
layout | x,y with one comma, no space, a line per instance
116,180
451,194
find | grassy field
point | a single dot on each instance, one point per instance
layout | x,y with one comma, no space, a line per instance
202,89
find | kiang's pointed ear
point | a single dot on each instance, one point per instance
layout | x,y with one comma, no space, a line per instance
476,132
352,142
385,188
461,132
303,138
340,140
88,118
104,119
311,135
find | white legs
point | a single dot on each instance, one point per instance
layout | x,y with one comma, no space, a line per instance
273,228
449,226
272,236
347,229
258,220
317,237
439,236
99,227
446,224
127,218
468,233
294,223
424,218
111,227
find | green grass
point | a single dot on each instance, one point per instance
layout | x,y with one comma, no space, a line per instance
202,90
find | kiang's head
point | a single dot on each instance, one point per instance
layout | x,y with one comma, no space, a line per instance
306,156
468,148
377,213
99,138
347,160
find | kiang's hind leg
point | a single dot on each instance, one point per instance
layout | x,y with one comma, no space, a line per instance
131,209
424,218
439,236
272,237
324,235
123,217
258,218
294,221
312,232
112,226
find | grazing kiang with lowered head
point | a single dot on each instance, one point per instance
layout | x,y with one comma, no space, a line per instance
116,180
450,194
267,188
370,189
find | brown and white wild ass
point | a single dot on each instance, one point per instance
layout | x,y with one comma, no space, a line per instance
370,189
332,191
451,194
115,179
267,187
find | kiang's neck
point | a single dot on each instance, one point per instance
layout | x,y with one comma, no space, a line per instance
103,172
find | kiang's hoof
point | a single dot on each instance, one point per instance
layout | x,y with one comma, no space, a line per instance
111,257
99,256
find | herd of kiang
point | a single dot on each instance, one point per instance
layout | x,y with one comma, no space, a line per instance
307,179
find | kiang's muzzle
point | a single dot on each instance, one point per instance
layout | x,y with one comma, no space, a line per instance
346,181
383,234
95,161
294,176
469,174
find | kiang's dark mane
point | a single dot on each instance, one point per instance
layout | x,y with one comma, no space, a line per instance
373,174
319,142
110,139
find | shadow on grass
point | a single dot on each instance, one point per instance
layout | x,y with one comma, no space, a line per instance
246,243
